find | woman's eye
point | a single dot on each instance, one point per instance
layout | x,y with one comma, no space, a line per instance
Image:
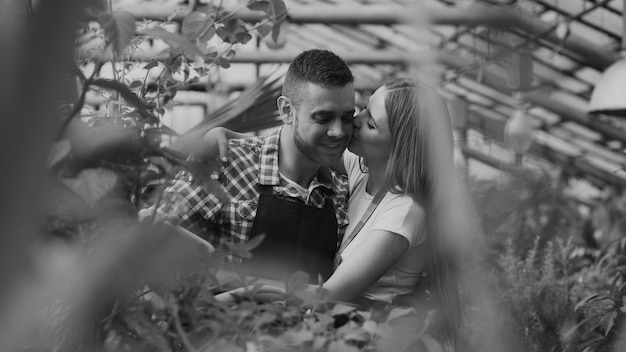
370,125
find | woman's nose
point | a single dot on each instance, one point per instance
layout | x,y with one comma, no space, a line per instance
357,121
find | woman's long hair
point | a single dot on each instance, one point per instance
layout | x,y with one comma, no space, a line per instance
421,150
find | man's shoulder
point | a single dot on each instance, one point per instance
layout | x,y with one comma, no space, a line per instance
249,142
245,148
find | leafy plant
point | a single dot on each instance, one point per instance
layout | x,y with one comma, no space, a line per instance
144,286
524,206
535,289
115,154
602,307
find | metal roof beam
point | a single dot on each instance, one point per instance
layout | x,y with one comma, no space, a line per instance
495,130
474,15
542,99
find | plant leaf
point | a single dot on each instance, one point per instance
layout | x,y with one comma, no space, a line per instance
259,5
119,28
177,42
298,281
92,184
198,25
586,300
265,29
359,335
278,11
128,95
276,31
609,321
58,151
398,312
151,64
135,84
297,338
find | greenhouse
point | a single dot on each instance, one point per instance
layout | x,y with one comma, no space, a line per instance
300,175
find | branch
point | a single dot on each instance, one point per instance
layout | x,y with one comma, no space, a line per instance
81,100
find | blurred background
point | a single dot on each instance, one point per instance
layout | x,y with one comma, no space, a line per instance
536,91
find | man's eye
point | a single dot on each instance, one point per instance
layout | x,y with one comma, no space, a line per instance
323,118
348,118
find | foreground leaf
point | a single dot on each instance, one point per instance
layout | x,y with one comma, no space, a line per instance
119,28
58,151
177,42
92,184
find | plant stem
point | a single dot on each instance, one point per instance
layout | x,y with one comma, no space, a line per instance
81,100
181,332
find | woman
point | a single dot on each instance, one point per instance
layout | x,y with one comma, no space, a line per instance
392,242
398,244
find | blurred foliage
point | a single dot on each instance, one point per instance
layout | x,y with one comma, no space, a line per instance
113,283
141,286
556,290
524,207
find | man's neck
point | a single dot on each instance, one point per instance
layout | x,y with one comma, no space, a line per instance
291,163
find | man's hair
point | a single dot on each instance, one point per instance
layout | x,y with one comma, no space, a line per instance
320,67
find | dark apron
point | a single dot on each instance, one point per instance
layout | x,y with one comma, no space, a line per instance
298,237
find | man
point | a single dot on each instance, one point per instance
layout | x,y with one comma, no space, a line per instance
279,186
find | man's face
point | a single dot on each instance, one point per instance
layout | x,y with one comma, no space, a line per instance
323,122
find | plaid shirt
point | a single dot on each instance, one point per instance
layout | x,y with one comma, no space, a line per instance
253,162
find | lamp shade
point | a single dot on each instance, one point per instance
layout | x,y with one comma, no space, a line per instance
609,94
518,132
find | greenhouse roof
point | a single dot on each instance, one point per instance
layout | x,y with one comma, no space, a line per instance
471,44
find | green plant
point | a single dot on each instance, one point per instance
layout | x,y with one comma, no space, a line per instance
111,159
142,286
523,207
602,307
535,289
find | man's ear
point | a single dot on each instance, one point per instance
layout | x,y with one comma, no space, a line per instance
285,109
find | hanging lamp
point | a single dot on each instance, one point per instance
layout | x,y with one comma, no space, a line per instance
609,94
518,131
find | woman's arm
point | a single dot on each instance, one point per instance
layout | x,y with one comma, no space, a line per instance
366,265
214,144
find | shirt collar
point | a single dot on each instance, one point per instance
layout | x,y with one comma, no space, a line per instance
269,171
268,164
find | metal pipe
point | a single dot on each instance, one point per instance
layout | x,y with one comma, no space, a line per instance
567,112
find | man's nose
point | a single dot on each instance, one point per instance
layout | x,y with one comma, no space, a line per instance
337,129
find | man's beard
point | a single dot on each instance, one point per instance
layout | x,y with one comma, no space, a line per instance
311,151
306,149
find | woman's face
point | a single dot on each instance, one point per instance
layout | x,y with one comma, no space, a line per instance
372,137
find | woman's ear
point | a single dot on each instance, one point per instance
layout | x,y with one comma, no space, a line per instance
285,109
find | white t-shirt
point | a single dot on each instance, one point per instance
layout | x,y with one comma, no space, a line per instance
395,213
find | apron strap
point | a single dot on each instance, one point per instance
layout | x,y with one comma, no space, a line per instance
368,213
266,189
